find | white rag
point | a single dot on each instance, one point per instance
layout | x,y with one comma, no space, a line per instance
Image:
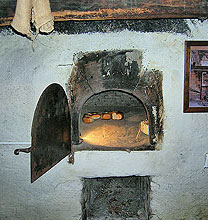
36,11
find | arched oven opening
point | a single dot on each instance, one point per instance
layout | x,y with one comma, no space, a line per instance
114,119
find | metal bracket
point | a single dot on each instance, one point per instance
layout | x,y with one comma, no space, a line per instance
71,158
77,143
24,150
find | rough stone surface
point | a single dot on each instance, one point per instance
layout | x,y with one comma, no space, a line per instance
111,101
161,25
179,182
157,25
116,198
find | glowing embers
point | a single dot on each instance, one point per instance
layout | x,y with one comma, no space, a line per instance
131,131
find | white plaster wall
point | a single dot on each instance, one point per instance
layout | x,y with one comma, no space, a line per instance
179,188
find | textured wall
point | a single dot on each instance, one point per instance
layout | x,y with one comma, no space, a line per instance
116,198
179,187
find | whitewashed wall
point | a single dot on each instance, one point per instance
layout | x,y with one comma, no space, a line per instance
179,188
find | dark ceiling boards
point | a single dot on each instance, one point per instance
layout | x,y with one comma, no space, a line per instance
83,10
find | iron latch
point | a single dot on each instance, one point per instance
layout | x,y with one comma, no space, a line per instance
24,150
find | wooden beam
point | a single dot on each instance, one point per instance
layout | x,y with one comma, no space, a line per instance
65,10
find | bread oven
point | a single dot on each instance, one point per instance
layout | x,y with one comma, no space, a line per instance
123,101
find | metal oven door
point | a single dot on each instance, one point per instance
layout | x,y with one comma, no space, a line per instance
51,131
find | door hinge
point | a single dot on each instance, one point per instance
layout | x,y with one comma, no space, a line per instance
71,158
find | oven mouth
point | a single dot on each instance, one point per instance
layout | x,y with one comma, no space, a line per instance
114,119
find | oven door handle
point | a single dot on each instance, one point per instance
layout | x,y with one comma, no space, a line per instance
24,150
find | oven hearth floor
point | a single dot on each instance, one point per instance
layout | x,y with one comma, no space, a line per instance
115,133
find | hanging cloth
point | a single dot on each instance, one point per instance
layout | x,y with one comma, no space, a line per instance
36,11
